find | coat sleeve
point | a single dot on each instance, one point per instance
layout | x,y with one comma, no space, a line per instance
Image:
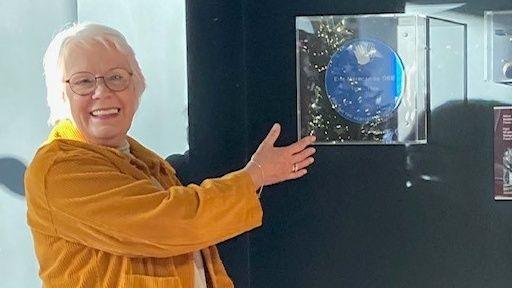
91,202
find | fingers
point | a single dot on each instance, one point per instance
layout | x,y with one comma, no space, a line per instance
298,174
301,168
303,154
301,144
272,135
304,163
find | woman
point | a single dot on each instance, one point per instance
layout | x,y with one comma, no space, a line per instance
104,211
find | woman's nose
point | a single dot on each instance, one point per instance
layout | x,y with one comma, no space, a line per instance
101,89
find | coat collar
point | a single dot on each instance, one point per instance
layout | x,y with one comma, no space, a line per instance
67,130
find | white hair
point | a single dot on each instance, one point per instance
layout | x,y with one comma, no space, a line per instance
57,51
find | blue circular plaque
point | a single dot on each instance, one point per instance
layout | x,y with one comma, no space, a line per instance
365,80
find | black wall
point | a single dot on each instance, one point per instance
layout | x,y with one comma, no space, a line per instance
352,221
217,106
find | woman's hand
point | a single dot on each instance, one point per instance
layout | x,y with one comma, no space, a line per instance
270,165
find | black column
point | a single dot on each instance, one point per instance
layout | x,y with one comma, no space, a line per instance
217,113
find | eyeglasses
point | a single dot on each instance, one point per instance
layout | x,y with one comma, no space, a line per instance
85,83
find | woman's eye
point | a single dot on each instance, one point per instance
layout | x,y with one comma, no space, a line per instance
83,81
116,77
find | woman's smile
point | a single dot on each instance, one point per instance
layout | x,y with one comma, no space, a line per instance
105,113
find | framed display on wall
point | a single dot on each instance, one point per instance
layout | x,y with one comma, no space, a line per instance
365,79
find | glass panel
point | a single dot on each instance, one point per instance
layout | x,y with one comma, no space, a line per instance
156,31
447,61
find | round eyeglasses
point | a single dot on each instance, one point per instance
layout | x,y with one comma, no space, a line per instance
85,83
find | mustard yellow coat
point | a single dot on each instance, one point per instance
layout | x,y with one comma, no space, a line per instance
98,221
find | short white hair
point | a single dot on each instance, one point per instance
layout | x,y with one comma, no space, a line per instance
83,34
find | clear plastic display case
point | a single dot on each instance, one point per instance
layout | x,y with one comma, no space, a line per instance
365,79
498,46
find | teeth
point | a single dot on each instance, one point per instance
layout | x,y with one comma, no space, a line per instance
101,112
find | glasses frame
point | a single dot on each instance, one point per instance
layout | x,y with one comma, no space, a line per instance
96,81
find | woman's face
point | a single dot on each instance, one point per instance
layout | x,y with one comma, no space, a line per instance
105,116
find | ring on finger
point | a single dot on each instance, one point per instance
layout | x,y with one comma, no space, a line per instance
294,167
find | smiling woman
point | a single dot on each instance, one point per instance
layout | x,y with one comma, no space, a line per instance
102,97
105,211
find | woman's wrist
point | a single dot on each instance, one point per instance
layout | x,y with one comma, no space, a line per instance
256,172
